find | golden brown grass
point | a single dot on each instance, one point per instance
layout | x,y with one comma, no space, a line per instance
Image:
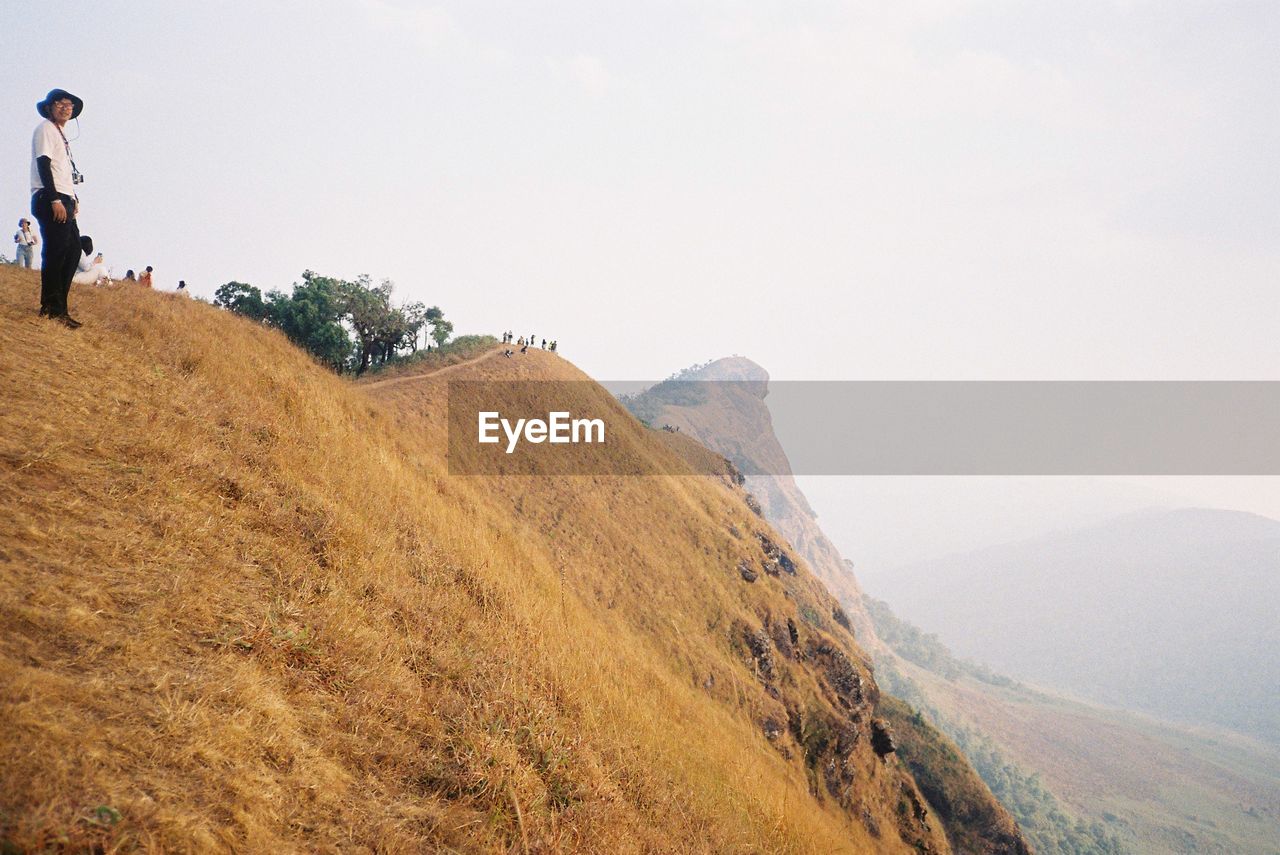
245,609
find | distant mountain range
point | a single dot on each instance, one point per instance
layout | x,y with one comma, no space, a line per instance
1167,612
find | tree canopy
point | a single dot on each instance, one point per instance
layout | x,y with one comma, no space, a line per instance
347,325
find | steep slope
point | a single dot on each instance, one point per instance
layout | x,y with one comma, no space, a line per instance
951,784
709,587
1079,778
245,608
723,406
1167,612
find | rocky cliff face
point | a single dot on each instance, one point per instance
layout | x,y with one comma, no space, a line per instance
722,405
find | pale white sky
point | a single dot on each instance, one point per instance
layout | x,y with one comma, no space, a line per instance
917,189
881,523
913,189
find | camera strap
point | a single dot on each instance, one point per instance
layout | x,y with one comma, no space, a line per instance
75,173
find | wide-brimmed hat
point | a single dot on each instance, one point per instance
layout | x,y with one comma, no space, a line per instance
57,95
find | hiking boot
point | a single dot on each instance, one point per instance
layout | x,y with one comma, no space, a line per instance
70,322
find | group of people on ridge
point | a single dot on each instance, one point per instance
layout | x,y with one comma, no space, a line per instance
526,343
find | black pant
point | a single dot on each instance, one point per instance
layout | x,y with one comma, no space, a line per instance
60,253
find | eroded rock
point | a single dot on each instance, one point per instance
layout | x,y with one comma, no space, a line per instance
775,559
761,651
882,738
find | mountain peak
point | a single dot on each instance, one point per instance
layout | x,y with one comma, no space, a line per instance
731,368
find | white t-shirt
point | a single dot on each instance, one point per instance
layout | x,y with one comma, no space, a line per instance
47,142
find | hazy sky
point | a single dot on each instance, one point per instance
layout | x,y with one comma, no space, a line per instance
975,190
881,523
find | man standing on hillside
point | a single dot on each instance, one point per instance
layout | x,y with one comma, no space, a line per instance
54,204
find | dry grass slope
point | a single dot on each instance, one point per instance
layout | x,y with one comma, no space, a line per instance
245,609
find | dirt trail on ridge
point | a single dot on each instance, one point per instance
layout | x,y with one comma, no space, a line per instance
433,374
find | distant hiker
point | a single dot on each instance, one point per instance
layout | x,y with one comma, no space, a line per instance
54,177
524,349
145,279
182,287
130,276
508,353
26,241
91,270
544,344
553,347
